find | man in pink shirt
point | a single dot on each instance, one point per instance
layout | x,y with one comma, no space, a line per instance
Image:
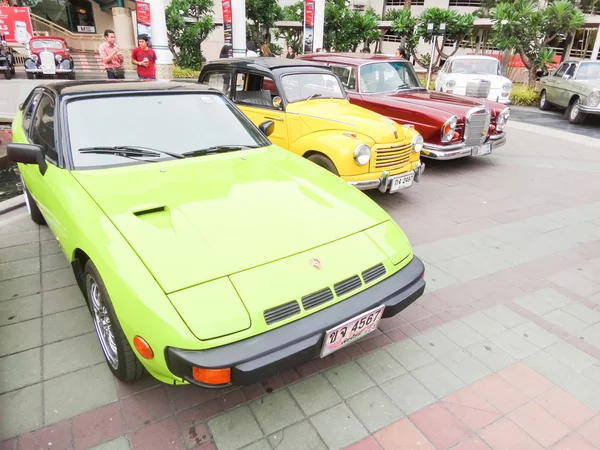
111,56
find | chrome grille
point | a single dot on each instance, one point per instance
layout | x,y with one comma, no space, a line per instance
477,127
281,312
47,59
478,88
391,156
373,273
317,298
349,284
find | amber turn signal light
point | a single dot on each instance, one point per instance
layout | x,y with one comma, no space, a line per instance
211,376
456,135
492,127
143,347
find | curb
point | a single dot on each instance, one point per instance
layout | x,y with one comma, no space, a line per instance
12,204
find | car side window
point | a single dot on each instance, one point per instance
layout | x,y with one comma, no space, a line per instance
561,70
571,70
42,127
256,90
218,80
28,112
347,75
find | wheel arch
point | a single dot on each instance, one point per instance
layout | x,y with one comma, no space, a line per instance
573,98
80,257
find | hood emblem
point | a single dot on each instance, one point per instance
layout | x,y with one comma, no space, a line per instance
315,263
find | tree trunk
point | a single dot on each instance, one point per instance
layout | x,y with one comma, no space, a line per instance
505,62
531,78
407,4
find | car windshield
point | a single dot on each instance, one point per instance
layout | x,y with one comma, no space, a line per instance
56,45
387,77
472,65
159,122
304,86
588,71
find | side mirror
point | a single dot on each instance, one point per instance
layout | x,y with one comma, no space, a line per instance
267,127
27,154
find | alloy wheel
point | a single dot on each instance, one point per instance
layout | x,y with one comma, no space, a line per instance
575,109
102,322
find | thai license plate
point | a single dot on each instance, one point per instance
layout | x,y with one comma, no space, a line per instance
351,330
481,150
401,182
49,70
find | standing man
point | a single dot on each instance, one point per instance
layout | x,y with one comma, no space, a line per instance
111,56
144,58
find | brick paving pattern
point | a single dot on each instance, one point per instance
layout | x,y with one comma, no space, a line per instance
502,352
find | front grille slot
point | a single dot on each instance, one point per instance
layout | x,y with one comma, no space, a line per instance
478,88
343,287
281,312
317,298
477,127
373,273
390,156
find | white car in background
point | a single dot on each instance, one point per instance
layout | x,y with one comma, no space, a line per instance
474,76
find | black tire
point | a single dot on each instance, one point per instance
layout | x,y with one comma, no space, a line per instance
574,114
324,162
32,207
29,76
544,104
127,366
8,74
71,75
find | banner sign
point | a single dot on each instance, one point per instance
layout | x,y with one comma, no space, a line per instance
15,24
142,13
309,24
227,30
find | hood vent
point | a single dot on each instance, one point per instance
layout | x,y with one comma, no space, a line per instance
149,211
317,298
281,312
343,287
373,273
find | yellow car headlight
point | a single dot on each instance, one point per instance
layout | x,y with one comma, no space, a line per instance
362,154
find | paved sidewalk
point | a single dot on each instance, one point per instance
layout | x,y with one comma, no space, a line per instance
502,352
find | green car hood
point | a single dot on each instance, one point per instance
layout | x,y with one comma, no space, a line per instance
324,115
198,219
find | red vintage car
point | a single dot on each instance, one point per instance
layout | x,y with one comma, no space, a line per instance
49,56
452,126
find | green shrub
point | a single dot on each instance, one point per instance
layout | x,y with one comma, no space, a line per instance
179,72
522,95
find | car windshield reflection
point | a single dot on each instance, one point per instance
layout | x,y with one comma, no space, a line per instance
388,77
305,86
589,71
37,45
167,123
481,66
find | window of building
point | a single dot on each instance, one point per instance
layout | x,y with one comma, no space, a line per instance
401,2
471,3
74,15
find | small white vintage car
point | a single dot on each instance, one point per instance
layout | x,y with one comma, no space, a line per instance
474,76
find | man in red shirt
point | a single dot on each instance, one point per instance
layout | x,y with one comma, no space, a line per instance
145,59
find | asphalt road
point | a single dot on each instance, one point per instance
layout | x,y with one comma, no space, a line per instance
555,120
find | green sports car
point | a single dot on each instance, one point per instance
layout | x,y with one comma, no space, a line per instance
206,254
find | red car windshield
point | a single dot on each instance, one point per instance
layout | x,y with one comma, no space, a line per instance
388,77
49,44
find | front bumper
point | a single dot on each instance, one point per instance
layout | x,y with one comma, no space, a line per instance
383,182
263,355
40,70
455,151
590,109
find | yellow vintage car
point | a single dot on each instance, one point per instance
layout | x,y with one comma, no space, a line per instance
302,106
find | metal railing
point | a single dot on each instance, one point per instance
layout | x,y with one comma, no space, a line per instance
75,41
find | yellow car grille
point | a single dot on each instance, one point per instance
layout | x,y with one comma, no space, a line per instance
389,157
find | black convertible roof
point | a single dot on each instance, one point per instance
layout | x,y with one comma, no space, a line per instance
74,87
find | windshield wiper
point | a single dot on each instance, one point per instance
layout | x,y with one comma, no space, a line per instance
402,86
313,96
129,151
217,149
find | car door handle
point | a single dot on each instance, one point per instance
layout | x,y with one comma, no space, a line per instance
279,119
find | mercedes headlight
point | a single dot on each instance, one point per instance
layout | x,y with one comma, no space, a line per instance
450,84
506,87
502,119
417,143
58,58
448,129
362,154
594,98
